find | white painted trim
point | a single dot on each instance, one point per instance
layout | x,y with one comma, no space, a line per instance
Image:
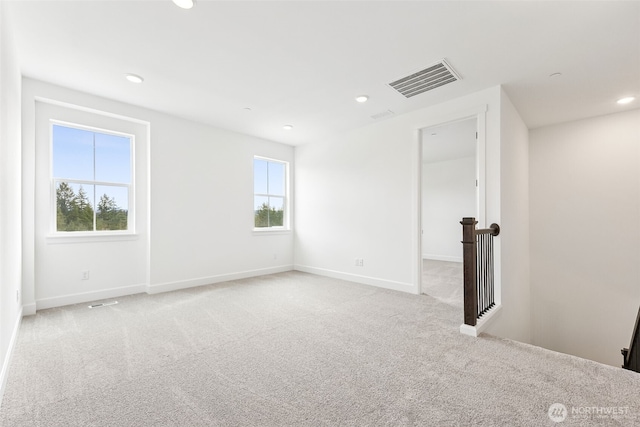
4,374
271,231
416,212
481,174
468,330
478,113
461,115
147,252
482,324
29,309
89,237
78,107
150,289
442,258
191,283
365,280
60,301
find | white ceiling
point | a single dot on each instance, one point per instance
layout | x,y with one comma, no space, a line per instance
303,62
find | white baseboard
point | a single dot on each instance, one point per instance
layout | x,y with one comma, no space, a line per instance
482,324
89,296
63,300
365,280
7,357
465,329
184,284
29,309
442,258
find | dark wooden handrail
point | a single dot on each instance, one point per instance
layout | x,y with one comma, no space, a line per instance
494,230
631,355
477,244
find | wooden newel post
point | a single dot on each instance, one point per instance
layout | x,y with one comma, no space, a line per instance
469,258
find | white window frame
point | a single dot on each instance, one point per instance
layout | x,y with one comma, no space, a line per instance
286,216
130,186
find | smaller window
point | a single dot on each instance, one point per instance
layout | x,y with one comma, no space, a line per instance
270,193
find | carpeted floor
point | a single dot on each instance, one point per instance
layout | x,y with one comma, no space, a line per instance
293,349
443,280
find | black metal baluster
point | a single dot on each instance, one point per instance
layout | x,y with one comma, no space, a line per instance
484,275
479,279
484,262
480,272
492,273
490,269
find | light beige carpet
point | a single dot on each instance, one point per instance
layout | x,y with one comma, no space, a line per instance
443,280
292,349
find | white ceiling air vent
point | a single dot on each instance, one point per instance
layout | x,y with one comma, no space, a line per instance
383,114
438,74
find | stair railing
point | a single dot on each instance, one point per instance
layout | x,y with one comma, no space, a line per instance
479,283
631,355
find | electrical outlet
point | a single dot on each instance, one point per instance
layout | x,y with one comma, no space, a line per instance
85,274
357,262
361,263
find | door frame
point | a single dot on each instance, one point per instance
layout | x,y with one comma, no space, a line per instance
480,115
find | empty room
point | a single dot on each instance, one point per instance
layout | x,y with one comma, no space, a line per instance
318,213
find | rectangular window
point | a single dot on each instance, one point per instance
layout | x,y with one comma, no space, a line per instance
92,179
270,193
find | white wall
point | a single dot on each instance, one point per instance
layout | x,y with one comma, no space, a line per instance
10,196
585,257
116,265
448,195
202,206
357,194
198,229
514,227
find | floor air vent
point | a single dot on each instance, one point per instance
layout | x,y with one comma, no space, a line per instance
430,78
103,304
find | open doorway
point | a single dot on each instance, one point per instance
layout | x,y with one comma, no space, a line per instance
449,185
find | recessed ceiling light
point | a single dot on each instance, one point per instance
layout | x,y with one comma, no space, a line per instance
627,100
362,98
134,78
185,4
287,127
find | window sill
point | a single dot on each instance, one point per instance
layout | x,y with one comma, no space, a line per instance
270,231
75,237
